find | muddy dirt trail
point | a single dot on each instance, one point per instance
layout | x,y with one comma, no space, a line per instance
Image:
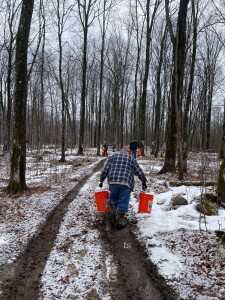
137,278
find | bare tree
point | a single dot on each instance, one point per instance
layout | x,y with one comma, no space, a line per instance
222,147
12,11
149,27
175,139
139,33
195,10
158,102
107,5
35,129
62,13
17,180
87,14
210,60
114,80
117,73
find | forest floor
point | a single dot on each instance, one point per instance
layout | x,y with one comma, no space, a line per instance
54,245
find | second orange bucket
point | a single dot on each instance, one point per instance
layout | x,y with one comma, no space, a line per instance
145,203
102,201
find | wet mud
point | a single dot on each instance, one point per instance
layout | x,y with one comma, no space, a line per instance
137,278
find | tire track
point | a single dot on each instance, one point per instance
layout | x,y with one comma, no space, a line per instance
137,277
22,280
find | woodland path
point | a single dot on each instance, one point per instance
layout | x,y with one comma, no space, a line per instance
137,277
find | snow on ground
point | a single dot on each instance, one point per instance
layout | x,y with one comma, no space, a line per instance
191,260
78,254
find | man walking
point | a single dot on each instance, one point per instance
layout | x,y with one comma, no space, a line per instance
105,147
134,145
120,169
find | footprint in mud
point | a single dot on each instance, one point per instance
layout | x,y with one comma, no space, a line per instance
137,277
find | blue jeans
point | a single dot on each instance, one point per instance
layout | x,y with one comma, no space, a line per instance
120,196
133,153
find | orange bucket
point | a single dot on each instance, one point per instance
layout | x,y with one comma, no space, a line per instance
138,152
103,152
102,200
145,203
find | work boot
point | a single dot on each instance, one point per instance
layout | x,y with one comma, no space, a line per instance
121,220
112,214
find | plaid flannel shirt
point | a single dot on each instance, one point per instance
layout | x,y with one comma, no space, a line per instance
120,168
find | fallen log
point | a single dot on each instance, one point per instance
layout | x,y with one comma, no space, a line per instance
192,183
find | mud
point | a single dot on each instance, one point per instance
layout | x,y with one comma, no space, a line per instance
137,277
21,281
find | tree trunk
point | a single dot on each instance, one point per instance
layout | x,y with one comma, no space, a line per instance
180,55
190,87
87,15
149,26
101,81
175,141
17,181
134,132
220,189
157,122
222,148
7,139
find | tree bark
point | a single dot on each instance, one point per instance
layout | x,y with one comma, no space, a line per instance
190,87
85,10
101,80
158,103
181,55
17,181
222,147
220,189
175,139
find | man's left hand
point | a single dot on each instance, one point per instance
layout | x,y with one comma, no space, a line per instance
100,184
144,185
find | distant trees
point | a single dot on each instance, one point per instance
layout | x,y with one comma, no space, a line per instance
7,59
138,20
87,13
149,28
62,11
104,23
112,70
